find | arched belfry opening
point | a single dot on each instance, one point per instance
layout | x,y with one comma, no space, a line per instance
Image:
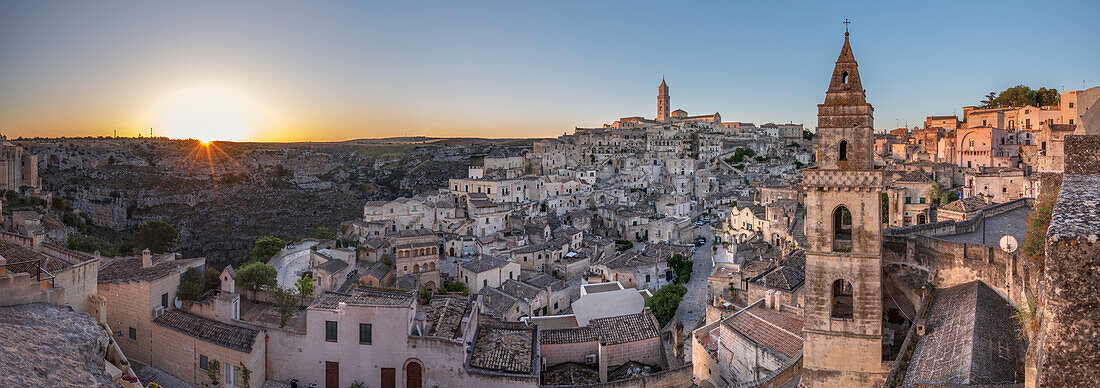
842,230
843,150
842,299
844,77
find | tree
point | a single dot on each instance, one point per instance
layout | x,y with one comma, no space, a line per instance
191,286
305,286
937,195
257,276
1018,95
664,302
156,235
286,302
681,267
211,279
989,99
246,375
1046,97
213,371
266,247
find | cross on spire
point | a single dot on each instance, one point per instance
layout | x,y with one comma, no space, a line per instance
846,23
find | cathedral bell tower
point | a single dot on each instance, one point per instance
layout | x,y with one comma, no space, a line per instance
662,101
843,305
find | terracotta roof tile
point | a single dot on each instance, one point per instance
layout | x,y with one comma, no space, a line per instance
218,333
774,330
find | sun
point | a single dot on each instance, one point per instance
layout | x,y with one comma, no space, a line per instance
208,113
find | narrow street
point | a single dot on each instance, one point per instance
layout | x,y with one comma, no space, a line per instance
692,308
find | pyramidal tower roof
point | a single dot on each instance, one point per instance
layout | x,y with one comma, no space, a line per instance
846,72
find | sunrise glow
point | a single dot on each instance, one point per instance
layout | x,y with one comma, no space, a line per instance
208,113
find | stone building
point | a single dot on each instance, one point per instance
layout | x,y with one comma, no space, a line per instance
137,291
417,253
843,295
17,166
909,199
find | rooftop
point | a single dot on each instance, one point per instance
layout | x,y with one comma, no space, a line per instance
570,373
626,328
222,334
505,347
127,269
484,263
365,296
967,204
774,330
568,335
783,278
970,339
444,316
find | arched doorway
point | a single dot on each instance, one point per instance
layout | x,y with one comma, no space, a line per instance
452,251
921,219
414,374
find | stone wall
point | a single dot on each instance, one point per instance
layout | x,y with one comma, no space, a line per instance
1085,151
1067,350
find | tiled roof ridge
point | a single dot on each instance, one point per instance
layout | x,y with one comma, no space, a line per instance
772,324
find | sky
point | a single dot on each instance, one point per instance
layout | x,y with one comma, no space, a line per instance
324,71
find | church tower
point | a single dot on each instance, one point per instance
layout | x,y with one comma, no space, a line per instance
662,101
843,305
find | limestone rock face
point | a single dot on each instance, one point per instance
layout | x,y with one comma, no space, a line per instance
51,346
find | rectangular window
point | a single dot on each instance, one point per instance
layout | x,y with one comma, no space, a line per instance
231,373
485,282
922,199
164,300
330,331
133,333
364,334
203,362
647,278
1071,105
908,199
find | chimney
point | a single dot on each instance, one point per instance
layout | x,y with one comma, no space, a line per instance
3,269
602,361
768,299
146,258
778,300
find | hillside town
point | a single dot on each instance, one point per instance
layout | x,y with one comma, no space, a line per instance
674,251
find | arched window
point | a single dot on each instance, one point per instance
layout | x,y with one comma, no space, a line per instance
842,299
843,150
844,77
842,230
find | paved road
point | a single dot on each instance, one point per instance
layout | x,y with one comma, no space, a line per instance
693,308
291,262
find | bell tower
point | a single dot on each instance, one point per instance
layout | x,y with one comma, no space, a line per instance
843,307
662,101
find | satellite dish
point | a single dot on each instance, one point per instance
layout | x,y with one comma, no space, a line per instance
1009,244
178,303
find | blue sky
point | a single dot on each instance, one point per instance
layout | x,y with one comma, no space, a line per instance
334,70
